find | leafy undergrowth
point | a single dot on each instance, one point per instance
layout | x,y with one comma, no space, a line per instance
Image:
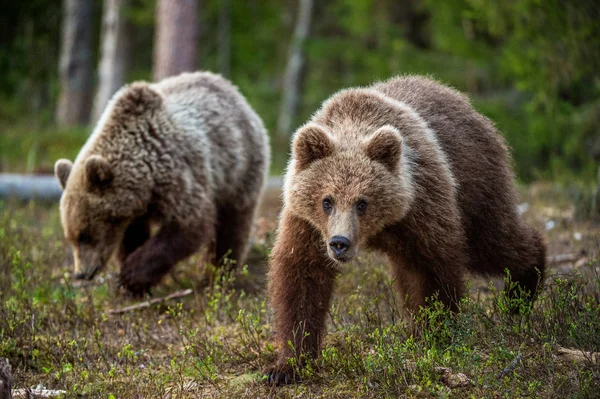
216,342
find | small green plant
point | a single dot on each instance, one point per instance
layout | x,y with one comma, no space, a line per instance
217,342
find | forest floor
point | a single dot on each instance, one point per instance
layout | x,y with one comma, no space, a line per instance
215,342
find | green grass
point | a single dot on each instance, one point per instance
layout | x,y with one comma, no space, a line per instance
216,343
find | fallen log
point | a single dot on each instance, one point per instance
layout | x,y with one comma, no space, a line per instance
46,187
26,187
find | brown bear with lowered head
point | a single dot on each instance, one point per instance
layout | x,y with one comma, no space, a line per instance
187,154
408,168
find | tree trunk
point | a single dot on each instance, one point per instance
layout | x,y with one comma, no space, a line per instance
75,67
596,210
176,40
224,38
293,71
116,51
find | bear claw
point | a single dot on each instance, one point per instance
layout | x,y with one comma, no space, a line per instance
280,377
134,288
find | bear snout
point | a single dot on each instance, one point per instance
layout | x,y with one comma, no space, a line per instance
87,274
340,249
339,245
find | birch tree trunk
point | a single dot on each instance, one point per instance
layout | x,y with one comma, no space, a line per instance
176,39
115,58
75,67
293,72
224,38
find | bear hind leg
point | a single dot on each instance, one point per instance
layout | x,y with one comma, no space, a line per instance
509,244
234,226
417,285
528,271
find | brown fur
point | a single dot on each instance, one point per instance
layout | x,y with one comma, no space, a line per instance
440,196
188,154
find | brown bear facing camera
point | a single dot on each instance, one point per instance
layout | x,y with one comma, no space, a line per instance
187,154
408,168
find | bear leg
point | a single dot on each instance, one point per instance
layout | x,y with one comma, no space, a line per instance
411,286
234,226
136,234
528,272
418,282
301,282
147,265
428,259
507,243
500,240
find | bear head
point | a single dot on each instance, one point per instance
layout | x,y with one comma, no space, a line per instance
94,211
104,193
349,186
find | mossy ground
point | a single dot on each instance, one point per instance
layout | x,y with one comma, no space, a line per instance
216,342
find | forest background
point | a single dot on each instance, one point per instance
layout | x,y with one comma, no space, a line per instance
531,66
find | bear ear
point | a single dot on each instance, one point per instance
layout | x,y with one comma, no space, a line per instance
385,146
311,143
62,170
137,98
98,172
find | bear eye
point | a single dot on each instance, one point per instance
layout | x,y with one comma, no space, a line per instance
361,206
327,205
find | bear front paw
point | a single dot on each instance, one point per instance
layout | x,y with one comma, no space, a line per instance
134,277
135,285
282,376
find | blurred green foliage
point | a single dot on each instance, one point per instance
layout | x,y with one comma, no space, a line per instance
532,66
35,151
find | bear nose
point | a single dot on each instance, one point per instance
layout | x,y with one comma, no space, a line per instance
339,245
87,275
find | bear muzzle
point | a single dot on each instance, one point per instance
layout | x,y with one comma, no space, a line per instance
88,267
339,245
87,274
341,249
342,230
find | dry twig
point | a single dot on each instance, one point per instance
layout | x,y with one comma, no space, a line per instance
511,366
146,304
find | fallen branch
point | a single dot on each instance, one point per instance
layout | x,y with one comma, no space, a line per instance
579,355
511,366
37,393
146,304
